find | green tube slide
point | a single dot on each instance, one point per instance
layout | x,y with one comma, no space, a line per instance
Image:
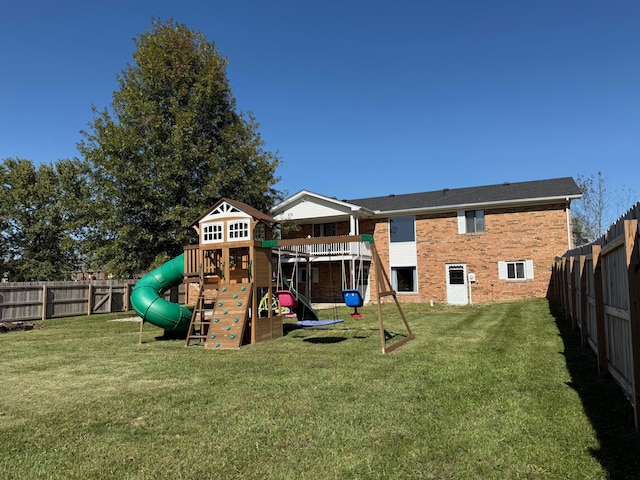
148,303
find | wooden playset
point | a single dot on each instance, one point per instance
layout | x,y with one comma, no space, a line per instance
229,279
227,274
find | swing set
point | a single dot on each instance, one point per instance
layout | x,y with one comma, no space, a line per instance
351,296
287,297
290,299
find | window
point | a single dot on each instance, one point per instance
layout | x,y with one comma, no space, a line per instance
239,230
456,275
212,233
515,270
402,229
475,220
470,221
518,270
324,230
259,233
403,279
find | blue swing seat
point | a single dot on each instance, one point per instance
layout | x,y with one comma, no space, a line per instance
352,298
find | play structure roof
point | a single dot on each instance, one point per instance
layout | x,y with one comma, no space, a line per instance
248,209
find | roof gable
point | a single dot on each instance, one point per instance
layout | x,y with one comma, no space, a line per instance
305,205
232,208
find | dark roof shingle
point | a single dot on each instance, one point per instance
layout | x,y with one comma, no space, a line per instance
504,192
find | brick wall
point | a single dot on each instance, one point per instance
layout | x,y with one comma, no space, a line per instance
514,234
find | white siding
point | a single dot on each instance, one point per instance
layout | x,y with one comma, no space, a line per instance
403,254
312,208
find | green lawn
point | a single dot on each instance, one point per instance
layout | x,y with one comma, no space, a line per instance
490,391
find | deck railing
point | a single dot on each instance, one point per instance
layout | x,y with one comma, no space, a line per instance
329,251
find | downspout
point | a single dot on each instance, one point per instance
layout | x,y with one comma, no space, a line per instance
567,211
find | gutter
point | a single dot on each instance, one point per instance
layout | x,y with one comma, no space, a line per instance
474,206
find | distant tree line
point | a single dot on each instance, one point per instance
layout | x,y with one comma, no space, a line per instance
171,144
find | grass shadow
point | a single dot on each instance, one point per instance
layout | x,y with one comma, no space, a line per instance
321,340
608,410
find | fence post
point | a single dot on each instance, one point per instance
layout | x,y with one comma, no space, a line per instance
584,335
89,298
44,302
632,247
127,293
572,300
565,288
600,329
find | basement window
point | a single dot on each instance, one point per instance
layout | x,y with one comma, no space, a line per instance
518,270
403,279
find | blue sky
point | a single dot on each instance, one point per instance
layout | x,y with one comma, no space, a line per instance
360,98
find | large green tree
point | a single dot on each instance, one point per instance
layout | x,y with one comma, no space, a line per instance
172,143
39,222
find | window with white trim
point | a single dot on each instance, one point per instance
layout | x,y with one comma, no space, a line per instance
403,279
212,232
470,221
238,230
517,270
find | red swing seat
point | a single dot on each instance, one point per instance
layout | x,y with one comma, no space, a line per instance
287,300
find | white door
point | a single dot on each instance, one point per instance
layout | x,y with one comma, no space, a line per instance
457,293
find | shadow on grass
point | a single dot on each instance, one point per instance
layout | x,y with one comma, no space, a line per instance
608,410
313,335
321,340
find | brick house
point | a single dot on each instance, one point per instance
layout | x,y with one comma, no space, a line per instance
457,246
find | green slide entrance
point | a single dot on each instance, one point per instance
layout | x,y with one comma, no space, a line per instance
149,304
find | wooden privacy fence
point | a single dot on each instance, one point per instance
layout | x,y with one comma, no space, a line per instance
598,286
42,300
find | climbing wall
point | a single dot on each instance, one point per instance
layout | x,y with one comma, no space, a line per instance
229,317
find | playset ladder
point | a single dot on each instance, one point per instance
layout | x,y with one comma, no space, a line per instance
229,317
202,314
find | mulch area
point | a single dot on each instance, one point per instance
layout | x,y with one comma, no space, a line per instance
6,327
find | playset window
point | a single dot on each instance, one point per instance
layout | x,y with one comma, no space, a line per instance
212,232
239,230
